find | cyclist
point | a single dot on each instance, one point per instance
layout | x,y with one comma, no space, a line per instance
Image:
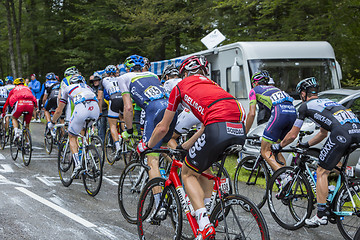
9,86
344,130
86,106
223,117
110,84
51,92
20,99
283,114
64,83
149,94
3,94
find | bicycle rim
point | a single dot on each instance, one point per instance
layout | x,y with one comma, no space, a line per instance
14,150
109,146
251,181
131,183
293,204
48,141
152,228
93,171
2,135
348,225
65,164
242,219
26,147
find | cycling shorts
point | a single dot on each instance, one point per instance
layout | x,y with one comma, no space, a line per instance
186,120
51,103
154,113
116,106
212,143
23,106
337,143
82,111
282,119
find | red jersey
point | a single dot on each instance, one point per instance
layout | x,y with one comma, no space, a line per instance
20,92
207,100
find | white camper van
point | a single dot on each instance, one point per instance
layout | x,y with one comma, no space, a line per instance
232,66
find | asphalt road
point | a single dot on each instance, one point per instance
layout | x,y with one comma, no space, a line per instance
35,205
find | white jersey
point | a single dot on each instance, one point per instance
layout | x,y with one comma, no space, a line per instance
125,79
170,84
110,84
77,93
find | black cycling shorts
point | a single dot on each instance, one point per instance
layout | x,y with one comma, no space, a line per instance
51,103
116,106
212,143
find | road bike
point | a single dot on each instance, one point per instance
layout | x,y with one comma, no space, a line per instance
53,137
5,135
292,203
21,144
91,161
233,216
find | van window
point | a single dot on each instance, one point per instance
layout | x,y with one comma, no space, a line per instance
237,89
288,72
215,76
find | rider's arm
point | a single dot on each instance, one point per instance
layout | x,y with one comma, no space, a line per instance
318,137
250,117
58,111
44,99
128,110
189,143
161,128
100,97
290,136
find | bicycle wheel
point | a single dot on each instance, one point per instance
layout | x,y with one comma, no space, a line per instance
110,150
243,220
131,183
152,227
349,223
251,181
48,140
26,146
2,135
14,149
293,204
65,164
92,178
97,142
357,235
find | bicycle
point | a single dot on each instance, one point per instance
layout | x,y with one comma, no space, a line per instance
91,161
23,143
248,221
5,135
50,139
127,147
252,173
294,202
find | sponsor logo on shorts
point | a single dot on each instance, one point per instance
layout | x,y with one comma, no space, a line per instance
354,130
234,129
326,149
322,119
341,139
91,108
199,144
194,104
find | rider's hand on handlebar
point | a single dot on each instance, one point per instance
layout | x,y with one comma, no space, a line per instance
50,125
141,147
125,135
275,148
303,145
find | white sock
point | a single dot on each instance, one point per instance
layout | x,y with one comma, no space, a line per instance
76,159
117,145
202,218
157,198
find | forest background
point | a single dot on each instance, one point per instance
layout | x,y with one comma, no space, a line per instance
40,36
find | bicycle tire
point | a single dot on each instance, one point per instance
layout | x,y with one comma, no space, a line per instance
168,228
357,235
349,224
98,143
14,150
48,141
291,210
26,148
92,177
248,180
2,135
109,148
242,212
131,183
65,164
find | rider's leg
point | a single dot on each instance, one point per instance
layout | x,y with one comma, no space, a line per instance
269,156
114,132
322,189
47,116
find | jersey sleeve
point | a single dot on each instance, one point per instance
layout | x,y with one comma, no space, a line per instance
174,99
64,96
101,87
252,97
301,115
124,83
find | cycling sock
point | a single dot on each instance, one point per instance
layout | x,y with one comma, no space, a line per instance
157,197
321,210
76,159
202,218
207,201
117,145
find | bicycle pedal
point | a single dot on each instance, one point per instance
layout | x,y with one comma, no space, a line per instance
332,219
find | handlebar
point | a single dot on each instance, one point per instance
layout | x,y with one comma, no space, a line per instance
177,153
289,150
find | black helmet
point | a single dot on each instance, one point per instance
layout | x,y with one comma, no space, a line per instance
306,84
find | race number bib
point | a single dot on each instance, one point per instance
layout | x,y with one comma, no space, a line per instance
115,88
153,93
280,97
344,116
79,98
3,93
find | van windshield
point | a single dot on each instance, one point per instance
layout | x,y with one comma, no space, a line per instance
288,72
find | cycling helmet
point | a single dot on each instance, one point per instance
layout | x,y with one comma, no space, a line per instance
170,70
71,71
50,76
262,77
19,81
110,69
97,76
306,84
76,78
1,82
147,63
9,80
134,62
194,63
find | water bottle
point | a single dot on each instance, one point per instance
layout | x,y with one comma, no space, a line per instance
162,172
315,176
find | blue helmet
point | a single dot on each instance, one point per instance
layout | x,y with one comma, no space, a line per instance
110,69
50,76
1,82
9,80
134,62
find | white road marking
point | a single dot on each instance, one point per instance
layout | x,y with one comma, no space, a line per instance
47,182
4,180
57,208
112,182
6,168
2,157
